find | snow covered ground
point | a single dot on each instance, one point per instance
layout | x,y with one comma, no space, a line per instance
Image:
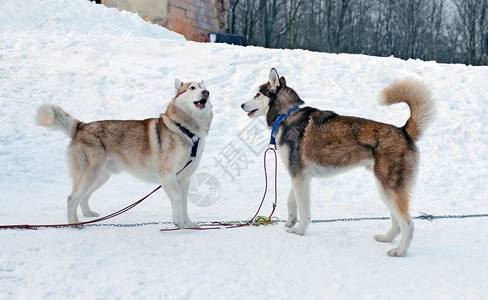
99,63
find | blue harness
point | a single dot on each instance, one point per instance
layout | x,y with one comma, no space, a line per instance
278,120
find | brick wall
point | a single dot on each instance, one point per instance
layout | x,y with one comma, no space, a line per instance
194,19
155,11
191,18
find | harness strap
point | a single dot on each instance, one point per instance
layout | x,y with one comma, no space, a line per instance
278,120
194,148
189,134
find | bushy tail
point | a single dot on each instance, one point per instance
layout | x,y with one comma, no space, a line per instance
419,99
54,117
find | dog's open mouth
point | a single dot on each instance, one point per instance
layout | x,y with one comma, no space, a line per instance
200,104
251,112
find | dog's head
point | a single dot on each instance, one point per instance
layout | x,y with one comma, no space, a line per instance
191,106
272,99
192,96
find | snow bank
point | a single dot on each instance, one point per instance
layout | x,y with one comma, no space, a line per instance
99,63
75,17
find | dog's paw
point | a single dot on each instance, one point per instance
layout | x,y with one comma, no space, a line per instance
179,224
91,213
382,238
296,230
290,222
192,225
396,252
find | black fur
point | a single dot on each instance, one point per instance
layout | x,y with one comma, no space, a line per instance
293,130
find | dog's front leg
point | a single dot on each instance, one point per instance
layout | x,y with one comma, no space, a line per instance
292,209
302,198
183,184
170,186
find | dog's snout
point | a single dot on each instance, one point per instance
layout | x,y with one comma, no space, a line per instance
242,105
205,93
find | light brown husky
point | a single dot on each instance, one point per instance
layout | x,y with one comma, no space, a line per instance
156,150
313,143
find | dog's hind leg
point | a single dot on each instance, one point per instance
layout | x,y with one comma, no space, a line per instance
395,228
301,189
405,222
392,233
82,185
397,203
85,165
292,209
85,208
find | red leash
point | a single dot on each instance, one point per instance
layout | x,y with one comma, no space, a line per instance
219,225
123,210
215,225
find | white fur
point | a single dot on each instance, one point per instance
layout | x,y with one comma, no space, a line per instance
274,79
53,117
316,170
259,104
186,101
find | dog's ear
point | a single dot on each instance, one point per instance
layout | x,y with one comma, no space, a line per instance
283,81
202,83
273,81
178,85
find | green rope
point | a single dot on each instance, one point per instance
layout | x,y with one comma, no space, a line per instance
262,220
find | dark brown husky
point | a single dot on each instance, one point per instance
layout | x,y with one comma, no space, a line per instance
314,142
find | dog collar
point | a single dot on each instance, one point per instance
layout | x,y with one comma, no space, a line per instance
278,120
189,134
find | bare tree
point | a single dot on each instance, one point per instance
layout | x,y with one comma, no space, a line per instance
288,27
402,28
231,16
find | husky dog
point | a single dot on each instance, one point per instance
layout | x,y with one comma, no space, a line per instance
314,143
164,150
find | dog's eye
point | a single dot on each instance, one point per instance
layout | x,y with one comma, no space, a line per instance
192,88
257,95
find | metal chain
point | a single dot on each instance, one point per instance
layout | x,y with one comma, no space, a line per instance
127,225
350,219
423,216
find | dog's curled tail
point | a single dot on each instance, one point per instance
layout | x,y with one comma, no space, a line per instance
55,117
419,99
